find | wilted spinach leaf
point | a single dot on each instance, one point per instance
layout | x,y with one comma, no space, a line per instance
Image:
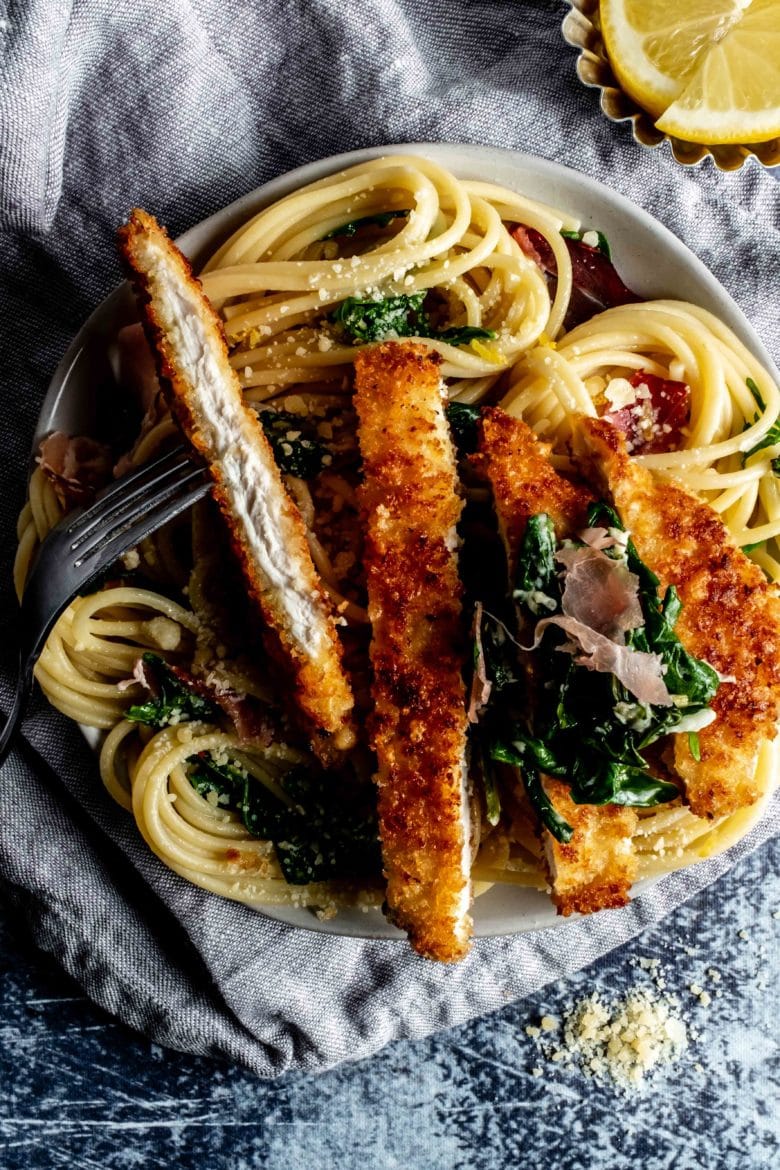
295,444
363,320
381,219
171,701
367,320
463,418
324,831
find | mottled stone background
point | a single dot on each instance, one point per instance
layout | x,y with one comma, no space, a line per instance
81,1091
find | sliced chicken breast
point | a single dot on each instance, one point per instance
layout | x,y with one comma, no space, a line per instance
730,617
597,867
267,531
411,507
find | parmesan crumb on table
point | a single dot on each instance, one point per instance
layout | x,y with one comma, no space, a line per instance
620,1040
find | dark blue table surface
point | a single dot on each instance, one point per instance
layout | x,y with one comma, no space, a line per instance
81,1091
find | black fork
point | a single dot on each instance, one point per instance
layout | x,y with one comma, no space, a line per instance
86,543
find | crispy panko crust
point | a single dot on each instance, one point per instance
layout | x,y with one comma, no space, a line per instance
596,868
730,617
320,686
410,505
517,466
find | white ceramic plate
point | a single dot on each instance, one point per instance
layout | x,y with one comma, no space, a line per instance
650,259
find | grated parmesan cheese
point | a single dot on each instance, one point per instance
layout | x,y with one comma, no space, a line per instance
620,1040
131,559
619,393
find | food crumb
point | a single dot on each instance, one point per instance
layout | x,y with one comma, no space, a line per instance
131,559
621,1040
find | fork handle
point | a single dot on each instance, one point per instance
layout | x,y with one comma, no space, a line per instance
14,719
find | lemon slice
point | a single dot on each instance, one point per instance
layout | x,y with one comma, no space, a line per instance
654,46
734,94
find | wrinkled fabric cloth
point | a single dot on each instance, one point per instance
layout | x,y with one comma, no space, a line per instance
182,107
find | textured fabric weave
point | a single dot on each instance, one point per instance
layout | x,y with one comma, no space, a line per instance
181,107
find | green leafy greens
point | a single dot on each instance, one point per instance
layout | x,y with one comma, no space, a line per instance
364,320
771,438
602,245
319,832
320,829
296,447
463,419
171,702
381,219
463,334
593,735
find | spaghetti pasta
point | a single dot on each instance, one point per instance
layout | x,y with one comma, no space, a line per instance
397,229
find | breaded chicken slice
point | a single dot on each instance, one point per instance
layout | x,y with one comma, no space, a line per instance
597,867
266,528
730,617
516,464
410,504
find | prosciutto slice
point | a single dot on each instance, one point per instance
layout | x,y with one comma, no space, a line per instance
481,685
600,604
76,465
639,672
600,592
595,280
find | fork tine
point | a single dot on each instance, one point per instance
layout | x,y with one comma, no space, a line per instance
157,492
122,495
168,501
147,497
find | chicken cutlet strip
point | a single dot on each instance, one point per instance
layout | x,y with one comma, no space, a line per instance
730,617
410,504
266,528
596,868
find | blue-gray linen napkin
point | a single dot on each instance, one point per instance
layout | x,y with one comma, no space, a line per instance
181,107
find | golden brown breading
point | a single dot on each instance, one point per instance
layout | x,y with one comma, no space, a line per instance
730,617
266,528
517,466
597,867
411,507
